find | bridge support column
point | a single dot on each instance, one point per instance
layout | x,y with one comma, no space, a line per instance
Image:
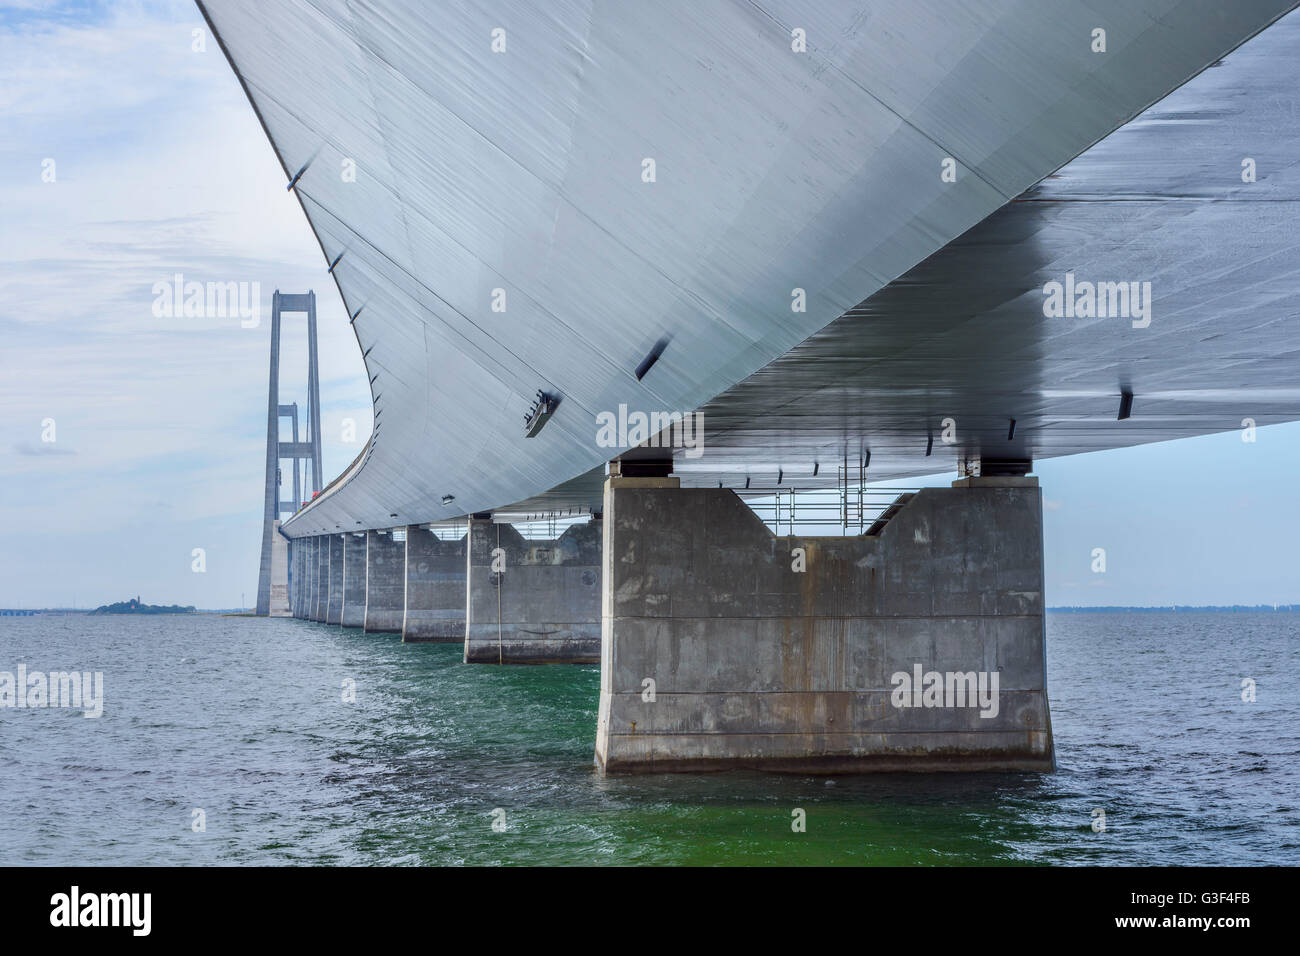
320,599
278,581
435,588
544,607
334,580
306,567
917,648
295,577
312,572
303,547
385,583
353,613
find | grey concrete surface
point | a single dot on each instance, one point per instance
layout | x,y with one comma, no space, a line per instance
353,613
295,576
278,574
756,664
435,588
385,583
334,580
320,600
544,607
305,548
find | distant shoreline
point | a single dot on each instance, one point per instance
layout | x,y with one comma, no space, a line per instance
95,612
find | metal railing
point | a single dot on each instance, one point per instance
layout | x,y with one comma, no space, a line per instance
452,530
543,526
852,509
858,509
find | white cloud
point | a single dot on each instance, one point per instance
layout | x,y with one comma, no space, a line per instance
160,167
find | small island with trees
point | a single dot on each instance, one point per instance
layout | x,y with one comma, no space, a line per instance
133,606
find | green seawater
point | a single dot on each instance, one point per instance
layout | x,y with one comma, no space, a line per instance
244,719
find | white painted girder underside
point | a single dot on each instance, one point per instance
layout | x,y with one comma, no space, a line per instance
775,170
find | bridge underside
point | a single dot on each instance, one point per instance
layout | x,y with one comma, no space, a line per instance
963,335
866,257
499,236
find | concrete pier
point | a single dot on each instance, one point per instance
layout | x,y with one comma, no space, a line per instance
305,567
544,607
920,647
334,582
435,588
320,600
294,550
278,599
298,572
385,583
353,613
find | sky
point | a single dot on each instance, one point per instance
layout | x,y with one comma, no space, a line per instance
128,439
